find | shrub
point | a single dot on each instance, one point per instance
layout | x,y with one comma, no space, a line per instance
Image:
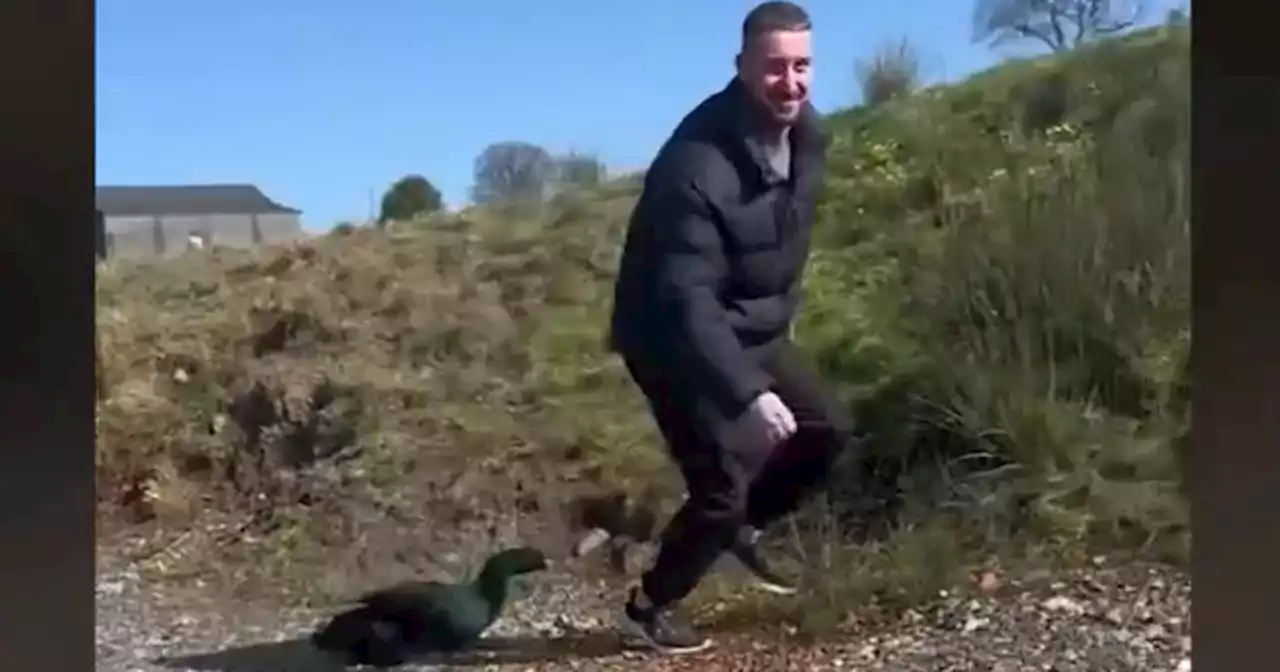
893,71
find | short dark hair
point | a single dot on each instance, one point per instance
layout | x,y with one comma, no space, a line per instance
773,15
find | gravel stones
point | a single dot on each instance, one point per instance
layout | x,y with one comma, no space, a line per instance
1100,618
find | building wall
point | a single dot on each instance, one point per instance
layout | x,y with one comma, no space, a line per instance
167,235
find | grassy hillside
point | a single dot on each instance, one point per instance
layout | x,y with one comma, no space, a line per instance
1000,289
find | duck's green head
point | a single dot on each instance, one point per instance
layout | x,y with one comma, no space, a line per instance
514,562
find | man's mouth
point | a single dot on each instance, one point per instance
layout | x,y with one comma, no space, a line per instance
786,101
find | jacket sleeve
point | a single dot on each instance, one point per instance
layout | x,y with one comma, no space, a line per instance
691,269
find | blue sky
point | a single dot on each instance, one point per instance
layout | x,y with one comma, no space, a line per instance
325,102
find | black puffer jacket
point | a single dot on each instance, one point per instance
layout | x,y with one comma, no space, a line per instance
716,247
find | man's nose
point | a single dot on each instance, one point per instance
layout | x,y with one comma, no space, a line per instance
791,81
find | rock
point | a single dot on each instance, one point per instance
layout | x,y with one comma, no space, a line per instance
1115,616
988,583
1063,604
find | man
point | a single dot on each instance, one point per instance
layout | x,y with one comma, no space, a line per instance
704,300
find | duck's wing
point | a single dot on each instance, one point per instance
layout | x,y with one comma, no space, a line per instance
362,638
428,604
435,614
409,597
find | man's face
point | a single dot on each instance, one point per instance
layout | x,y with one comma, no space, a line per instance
776,67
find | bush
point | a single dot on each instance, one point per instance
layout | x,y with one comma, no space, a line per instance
409,197
1038,299
893,71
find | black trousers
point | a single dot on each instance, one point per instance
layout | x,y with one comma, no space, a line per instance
729,487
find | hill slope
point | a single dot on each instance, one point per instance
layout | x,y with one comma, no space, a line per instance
1000,289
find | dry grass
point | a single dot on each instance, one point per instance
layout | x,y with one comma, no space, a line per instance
423,372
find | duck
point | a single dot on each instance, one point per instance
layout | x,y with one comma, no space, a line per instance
615,518
392,625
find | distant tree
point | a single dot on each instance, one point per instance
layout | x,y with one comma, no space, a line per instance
408,197
579,169
893,71
512,170
1177,16
1058,24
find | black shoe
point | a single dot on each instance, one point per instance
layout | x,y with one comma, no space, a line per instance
747,550
661,630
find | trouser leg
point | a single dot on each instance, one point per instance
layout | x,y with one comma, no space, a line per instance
717,485
728,489
800,465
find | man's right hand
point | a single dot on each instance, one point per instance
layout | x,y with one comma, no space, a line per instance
766,423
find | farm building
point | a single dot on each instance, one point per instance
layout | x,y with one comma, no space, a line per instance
164,221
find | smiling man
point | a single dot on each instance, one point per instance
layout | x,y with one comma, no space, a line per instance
704,300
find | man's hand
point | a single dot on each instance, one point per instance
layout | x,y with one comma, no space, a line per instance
766,423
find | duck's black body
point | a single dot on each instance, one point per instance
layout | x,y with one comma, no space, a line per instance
392,625
364,638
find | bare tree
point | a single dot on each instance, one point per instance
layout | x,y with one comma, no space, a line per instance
893,71
512,170
1059,24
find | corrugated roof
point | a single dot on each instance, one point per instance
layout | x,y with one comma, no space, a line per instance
200,199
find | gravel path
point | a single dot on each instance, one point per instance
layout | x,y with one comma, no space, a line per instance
1101,619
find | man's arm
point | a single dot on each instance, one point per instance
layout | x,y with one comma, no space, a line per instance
691,268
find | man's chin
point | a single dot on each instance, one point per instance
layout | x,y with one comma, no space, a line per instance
786,115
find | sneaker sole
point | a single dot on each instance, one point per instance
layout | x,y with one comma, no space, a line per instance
637,632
